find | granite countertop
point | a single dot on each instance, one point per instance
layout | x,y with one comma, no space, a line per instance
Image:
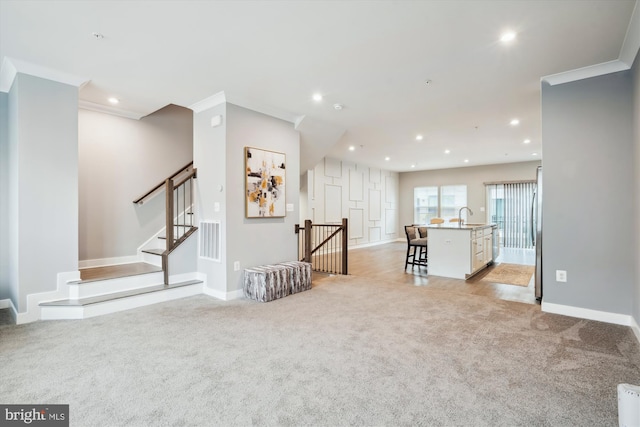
457,226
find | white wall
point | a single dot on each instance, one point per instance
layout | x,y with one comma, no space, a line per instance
588,180
366,196
473,177
44,126
121,159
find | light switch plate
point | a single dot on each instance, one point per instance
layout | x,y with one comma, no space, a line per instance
289,207
216,207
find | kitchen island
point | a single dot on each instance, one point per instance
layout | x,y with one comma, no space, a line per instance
460,251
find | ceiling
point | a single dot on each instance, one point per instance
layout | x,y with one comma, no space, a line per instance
373,57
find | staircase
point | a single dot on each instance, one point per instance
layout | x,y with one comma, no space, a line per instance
103,290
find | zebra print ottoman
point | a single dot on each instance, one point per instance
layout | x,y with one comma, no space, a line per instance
266,283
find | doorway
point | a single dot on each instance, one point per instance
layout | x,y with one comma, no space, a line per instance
510,206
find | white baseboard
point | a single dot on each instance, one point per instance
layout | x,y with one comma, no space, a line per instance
221,295
177,278
5,303
382,242
90,263
33,300
586,313
635,328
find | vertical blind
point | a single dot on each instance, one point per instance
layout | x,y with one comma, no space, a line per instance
518,204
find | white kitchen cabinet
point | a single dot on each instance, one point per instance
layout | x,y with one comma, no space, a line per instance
459,251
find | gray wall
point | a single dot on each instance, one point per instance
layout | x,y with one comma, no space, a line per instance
4,196
43,123
636,128
588,186
265,240
219,157
120,160
209,153
473,177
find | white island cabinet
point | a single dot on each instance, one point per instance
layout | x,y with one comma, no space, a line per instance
459,251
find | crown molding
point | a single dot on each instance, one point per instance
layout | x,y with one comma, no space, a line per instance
586,72
210,102
631,43
11,67
625,60
92,106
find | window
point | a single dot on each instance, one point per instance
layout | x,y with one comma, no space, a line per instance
438,202
425,202
452,198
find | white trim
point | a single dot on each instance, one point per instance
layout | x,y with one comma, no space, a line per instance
101,262
382,242
224,296
7,75
586,72
635,328
106,109
33,300
15,66
631,42
5,303
586,313
210,102
185,277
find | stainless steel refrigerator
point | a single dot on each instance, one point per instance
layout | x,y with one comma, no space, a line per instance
537,220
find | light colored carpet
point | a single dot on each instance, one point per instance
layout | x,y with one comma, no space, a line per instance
351,351
510,274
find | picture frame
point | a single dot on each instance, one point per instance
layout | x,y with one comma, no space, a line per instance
265,183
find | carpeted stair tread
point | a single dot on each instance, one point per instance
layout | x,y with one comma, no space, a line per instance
119,295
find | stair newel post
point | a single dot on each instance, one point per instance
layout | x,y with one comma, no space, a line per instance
169,228
307,240
169,212
345,243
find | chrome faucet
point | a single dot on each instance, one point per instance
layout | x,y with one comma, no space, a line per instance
460,214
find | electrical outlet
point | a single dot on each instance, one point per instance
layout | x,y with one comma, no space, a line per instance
561,276
236,266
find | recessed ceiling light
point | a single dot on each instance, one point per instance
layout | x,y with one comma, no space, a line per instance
352,148
534,154
447,151
338,106
114,100
514,122
526,141
317,97
508,36
413,165
418,137
428,82
466,160
386,159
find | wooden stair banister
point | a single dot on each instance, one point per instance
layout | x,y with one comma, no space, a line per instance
171,220
141,199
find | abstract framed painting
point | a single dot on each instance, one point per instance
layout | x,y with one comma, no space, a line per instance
264,183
